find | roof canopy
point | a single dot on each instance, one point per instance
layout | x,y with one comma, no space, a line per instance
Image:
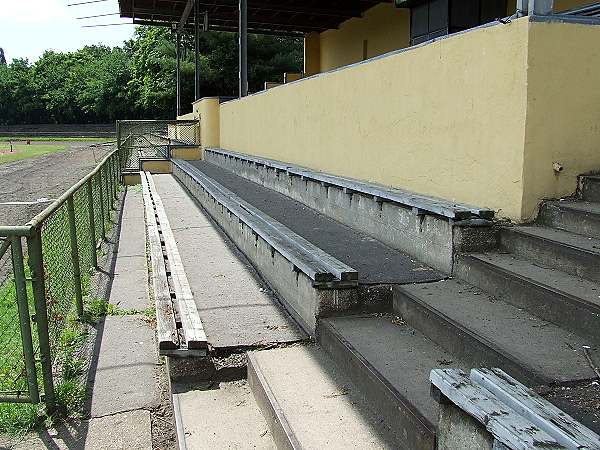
264,16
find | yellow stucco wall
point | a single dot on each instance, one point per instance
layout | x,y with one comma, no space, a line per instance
157,166
207,109
563,109
186,153
312,53
476,118
384,27
445,119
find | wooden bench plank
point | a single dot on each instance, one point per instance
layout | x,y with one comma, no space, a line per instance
562,427
193,329
506,425
165,319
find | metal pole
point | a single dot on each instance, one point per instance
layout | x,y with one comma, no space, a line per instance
178,74
243,48
113,181
522,7
106,190
102,221
36,266
541,7
24,319
75,257
90,198
197,49
119,150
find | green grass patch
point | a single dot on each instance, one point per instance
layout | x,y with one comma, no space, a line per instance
15,418
54,139
97,308
27,151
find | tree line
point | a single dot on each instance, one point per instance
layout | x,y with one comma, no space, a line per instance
99,84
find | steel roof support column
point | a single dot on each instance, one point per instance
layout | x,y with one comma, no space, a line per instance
541,7
178,74
197,49
243,48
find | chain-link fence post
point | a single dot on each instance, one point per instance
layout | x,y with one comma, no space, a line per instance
90,199
75,256
113,172
102,221
24,318
119,149
36,266
107,198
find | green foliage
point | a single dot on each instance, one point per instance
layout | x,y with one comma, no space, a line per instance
16,419
97,308
101,84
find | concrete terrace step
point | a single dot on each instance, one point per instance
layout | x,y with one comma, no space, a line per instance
309,281
237,308
410,199
376,263
590,188
390,363
309,404
570,215
219,416
488,332
572,253
555,296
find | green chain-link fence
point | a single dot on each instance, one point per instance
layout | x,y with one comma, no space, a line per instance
153,139
17,366
39,298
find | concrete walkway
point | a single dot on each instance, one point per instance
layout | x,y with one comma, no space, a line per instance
125,376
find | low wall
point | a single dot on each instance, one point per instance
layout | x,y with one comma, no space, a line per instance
464,118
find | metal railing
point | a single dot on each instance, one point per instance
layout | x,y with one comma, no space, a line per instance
43,283
141,140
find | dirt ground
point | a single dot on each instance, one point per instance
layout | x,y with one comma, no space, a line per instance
44,177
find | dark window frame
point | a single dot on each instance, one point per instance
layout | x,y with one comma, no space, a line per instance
446,23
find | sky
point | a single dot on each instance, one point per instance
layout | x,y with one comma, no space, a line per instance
29,27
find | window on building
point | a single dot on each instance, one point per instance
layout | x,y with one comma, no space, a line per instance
433,18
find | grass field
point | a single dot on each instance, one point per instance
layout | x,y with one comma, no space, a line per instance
53,139
23,151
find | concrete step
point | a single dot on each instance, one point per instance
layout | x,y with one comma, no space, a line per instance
237,307
375,262
430,229
487,332
552,295
309,281
590,188
390,363
309,404
570,215
572,253
219,416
